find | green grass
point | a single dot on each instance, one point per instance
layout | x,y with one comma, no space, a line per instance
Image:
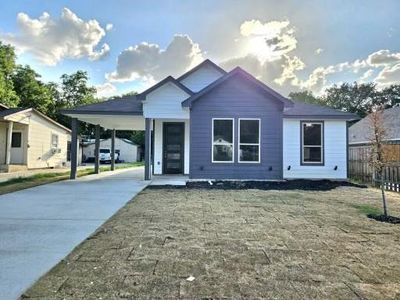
367,209
20,183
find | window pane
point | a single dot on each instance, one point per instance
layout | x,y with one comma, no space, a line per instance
248,153
312,154
249,131
312,134
223,131
222,153
16,140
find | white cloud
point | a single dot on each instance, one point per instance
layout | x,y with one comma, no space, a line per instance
268,41
52,40
389,75
109,26
319,51
105,90
149,62
383,57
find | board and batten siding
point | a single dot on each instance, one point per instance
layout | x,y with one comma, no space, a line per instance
40,154
236,98
166,102
201,78
158,145
334,151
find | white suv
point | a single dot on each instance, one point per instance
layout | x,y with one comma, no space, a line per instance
105,155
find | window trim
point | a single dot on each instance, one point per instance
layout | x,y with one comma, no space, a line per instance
212,141
250,144
51,141
319,163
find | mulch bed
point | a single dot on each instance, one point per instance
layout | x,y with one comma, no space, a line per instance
301,184
386,219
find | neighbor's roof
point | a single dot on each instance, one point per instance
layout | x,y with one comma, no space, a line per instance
360,132
4,114
2,106
244,75
301,110
127,105
93,141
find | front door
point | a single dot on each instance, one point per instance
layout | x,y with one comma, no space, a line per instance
17,151
173,147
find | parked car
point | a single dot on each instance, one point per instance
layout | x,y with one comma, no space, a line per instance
105,155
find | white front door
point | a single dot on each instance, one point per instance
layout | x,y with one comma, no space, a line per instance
17,150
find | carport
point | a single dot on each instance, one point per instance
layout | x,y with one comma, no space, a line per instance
124,113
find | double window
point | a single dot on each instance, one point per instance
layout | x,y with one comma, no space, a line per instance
223,140
312,143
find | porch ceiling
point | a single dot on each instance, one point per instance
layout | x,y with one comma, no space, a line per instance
110,121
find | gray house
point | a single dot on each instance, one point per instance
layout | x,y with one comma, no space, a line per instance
213,124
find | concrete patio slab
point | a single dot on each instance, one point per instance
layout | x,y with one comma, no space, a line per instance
41,225
169,180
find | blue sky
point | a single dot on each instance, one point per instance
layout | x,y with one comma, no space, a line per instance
290,45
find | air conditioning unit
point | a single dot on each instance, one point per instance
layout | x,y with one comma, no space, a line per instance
55,150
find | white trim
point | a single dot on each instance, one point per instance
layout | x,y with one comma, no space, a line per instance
250,144
312,146
233,141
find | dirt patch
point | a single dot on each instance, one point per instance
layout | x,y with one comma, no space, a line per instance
196,243
305,185
386,219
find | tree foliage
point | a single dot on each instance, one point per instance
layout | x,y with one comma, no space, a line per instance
7,66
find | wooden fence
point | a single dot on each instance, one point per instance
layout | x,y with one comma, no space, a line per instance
360,170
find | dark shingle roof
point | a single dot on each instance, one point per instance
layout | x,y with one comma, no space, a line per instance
171,79
361,131
10,111
127,105
301,109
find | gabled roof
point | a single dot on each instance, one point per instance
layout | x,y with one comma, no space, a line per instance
93,141
206,62
246,76
127,105
4,114
360,132
142,95
301,110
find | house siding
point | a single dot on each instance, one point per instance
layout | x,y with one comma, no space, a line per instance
128,152
201,78
236,98
335,153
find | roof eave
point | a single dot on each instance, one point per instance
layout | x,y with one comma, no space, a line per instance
321,116
96,112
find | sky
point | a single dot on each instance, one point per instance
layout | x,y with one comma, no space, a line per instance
130,45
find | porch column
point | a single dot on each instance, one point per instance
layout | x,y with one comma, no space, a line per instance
97,150
147,150
113,150
9,138
74,147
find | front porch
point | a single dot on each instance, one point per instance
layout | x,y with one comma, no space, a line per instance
166,149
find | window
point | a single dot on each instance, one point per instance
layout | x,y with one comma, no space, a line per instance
312,151
105,151
222,140
249,140
16,140
54,141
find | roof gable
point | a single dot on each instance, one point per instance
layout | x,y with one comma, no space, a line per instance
205,63
169,79
244,76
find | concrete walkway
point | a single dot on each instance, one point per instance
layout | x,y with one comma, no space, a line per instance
41,225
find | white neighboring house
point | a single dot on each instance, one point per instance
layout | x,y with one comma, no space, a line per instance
127,150
31,140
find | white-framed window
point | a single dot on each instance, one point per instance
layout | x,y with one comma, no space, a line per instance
54,141
312,143
222,150
249,140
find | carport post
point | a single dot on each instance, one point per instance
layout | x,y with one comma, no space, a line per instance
74,147
113,150
147,150
97,150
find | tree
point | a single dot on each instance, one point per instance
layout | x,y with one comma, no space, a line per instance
306,97
390,95
7,66
354,98
377,157
75,90
30,90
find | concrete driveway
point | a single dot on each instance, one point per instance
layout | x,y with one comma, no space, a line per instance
41,225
